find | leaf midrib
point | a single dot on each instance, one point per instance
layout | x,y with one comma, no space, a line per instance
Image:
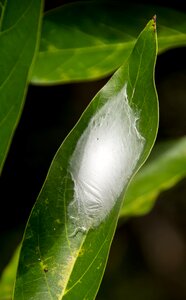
107,46
94,47
65,290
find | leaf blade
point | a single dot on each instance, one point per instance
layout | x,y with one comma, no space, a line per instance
88,41
20,26
60,261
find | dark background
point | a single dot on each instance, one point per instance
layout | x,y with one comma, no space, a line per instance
148,255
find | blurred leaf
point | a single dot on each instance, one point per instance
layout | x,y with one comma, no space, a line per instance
2,7
8,277
19,31
66,243
85,41
166,166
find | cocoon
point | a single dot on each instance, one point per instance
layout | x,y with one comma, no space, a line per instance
103,161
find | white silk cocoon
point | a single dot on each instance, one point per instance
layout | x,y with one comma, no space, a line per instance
103,161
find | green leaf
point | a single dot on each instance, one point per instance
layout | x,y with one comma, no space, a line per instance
166,166
86,41
69,232
8,277
19,32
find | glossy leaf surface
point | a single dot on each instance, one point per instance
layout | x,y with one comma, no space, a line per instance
19,29
59,259
166,167
86,41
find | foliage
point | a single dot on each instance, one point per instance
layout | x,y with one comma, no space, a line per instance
166,166
19,34
57,261
106,33
8,277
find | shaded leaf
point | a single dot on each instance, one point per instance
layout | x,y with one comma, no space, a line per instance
19,32
69,232
85,41
161,172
